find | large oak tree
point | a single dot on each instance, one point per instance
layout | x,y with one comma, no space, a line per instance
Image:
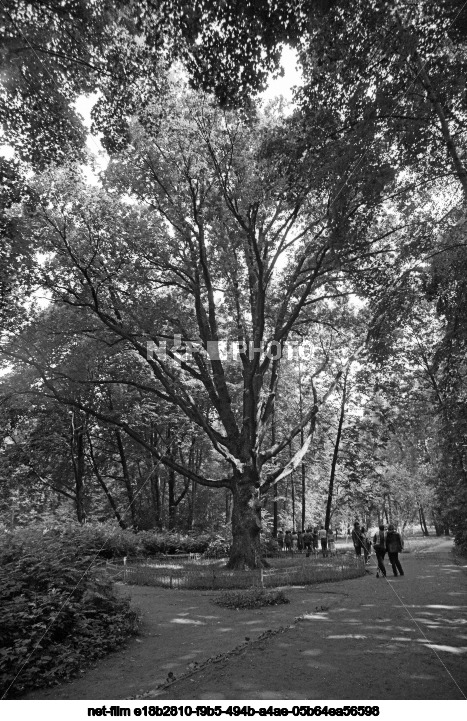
216,226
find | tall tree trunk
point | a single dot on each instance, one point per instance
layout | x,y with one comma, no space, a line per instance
191,506
103,484
292,481
437,522
292,489
156,499
274,488
302,440
171,499
423,521
171,478
228,508
127,480
155,480
195,463
335,454
389,512
78,460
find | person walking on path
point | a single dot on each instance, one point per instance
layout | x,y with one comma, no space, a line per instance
280,539
394,547
294,540
315,540
308,541
357,538
331,542
366,544
379,544
299,541
324,541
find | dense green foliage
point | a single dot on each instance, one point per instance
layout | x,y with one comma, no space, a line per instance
58,616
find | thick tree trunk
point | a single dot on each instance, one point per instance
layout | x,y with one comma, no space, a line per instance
246,529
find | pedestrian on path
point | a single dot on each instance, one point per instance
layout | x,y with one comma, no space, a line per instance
315,540
280,539
357,538
366,544
294,540
379,544
300,541
394,547
324,541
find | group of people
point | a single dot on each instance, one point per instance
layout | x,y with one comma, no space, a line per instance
308,541
311,540
383,541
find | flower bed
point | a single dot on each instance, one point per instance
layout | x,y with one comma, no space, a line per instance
213,575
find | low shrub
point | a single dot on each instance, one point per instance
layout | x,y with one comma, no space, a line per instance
57,618
269,547
218,546
105,540
250,598
154,542
460,540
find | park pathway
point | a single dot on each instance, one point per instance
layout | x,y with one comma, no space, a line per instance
400,638
367,638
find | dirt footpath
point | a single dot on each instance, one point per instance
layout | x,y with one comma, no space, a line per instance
367,638
180,630
400,638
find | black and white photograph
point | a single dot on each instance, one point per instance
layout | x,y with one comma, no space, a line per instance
233,358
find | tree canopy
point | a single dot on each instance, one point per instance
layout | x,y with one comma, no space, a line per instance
338,227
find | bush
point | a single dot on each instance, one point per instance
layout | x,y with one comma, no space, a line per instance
57,618
105,540
154,542
269,546
461,541
250,598
218,546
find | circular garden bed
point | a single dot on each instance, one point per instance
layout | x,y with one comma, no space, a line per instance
297,570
